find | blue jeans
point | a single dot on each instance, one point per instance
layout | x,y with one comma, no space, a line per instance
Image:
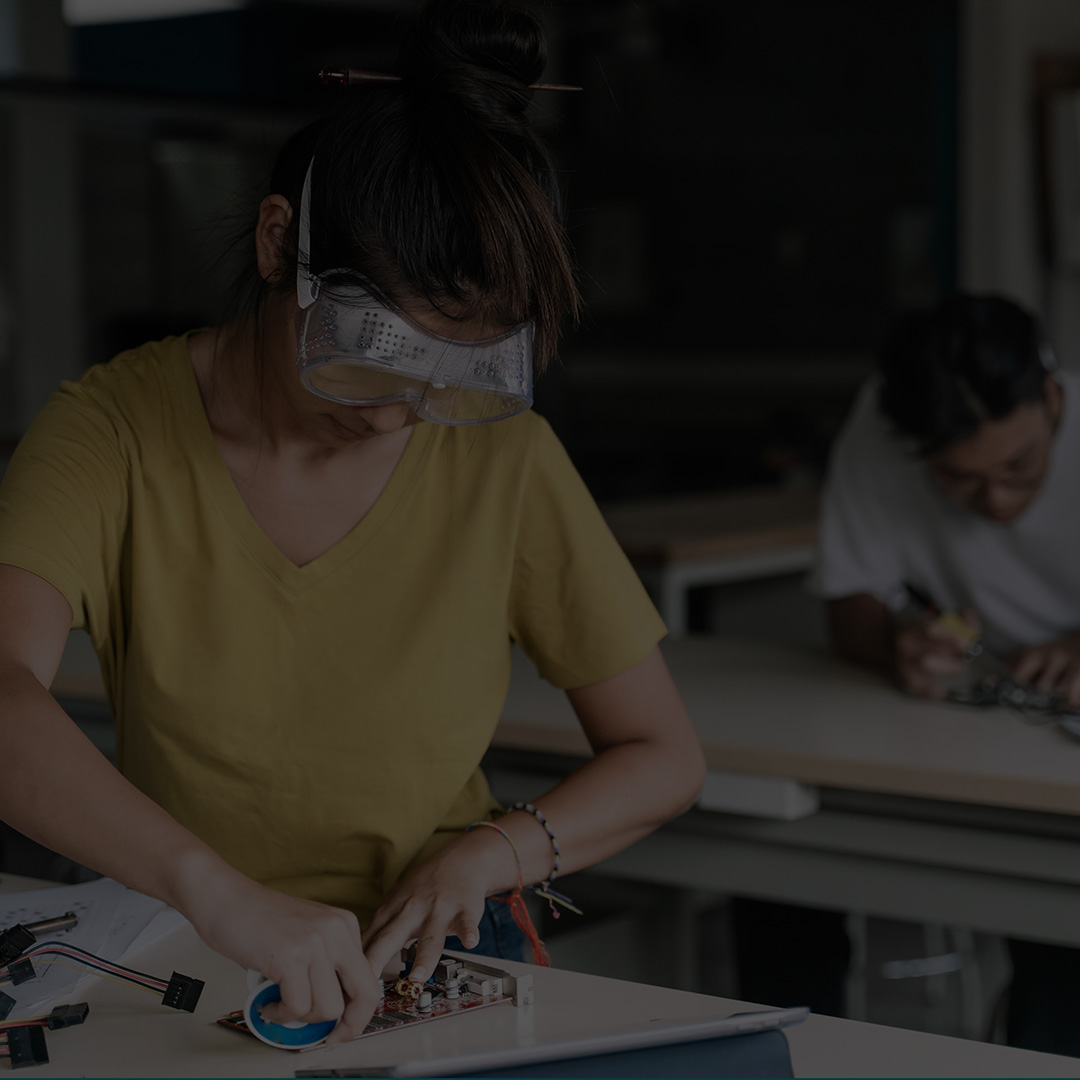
499,934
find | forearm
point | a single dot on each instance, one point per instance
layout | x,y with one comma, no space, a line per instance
621,795
60,791
648,767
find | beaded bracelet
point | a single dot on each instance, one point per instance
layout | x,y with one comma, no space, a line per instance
538,814
543,888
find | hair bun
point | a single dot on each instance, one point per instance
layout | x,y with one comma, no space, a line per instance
481,53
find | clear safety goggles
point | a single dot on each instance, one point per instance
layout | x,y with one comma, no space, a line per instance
356,347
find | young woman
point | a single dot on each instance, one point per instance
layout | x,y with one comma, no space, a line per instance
304,542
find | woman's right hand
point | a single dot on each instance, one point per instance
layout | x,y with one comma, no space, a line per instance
313,951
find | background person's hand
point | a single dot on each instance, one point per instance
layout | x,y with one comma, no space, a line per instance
1052,668
313,951
444,897
929,653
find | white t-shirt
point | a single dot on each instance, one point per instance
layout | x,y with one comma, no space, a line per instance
884,522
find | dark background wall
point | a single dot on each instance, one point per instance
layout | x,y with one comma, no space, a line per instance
753,188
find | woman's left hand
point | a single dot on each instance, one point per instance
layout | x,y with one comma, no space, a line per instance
647,767
442,898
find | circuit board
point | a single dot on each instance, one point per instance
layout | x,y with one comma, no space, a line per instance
457,986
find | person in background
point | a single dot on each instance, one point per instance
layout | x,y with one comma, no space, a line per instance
956,479
304,542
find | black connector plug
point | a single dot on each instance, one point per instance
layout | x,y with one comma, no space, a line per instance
7,1003
67,1015
21,971
26,1046
14,941
182,992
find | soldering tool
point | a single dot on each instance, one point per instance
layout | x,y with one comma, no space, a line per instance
999,687
975,649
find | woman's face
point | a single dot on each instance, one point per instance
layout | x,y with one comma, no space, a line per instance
998,471
337,425
327,422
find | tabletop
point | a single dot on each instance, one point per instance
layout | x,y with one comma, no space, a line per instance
129,1034
800,714
723,524
781,711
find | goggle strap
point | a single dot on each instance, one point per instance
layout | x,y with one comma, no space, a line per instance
307,290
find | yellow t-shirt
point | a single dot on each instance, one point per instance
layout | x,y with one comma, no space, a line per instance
321,726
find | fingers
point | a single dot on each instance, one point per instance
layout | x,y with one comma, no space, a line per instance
443,896
379,921
310,996
383,946
925,639
317,968
362,994
296,998
1053,668
1045,667
430,944
429,925
397,923
1071,687
1058,662
926,656
466,929
1026,664
440,925
948,636
350,992
352,928
1061,675
429,947
940,663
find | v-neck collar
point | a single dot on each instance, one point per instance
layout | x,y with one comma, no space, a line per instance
219,482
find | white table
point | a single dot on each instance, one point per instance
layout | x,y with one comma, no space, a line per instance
930,813
691,540
128,1034
933,813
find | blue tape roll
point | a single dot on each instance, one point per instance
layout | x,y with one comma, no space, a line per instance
289,1036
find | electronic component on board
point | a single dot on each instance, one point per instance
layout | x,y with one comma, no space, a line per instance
407,988
456,987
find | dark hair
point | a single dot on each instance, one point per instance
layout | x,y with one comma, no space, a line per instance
436,186
948,370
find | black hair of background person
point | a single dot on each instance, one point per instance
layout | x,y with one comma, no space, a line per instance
948,369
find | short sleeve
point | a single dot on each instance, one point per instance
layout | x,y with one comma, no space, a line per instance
577,606
860,548
63,504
